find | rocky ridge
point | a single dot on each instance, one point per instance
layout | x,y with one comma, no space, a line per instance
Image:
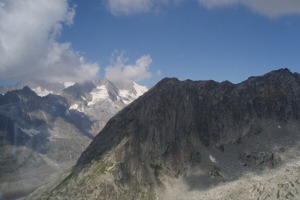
198,134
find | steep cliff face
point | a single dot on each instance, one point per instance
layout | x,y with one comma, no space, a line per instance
201,132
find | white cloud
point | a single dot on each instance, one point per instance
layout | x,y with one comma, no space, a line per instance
119,70
28,42
270,8
130,7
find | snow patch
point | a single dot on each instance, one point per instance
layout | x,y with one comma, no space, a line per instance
128,97
99,93
74,107
30,132
41,92
77,107
68,84
212,159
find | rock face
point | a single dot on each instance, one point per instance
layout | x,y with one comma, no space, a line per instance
196,134
41,136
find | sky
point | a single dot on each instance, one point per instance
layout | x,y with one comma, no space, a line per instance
147,40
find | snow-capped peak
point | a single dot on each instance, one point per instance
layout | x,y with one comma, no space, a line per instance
41,92
99,93
109,94
140,90
68,84
128,96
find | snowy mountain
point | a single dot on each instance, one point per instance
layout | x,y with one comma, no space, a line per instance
44,127
88,94
100,100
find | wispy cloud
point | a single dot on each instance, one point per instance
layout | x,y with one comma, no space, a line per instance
131,7
28,42
120,70
270,8
158,72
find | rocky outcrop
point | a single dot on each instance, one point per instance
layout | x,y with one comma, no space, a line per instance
202,132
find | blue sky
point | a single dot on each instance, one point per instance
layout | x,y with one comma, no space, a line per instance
147,40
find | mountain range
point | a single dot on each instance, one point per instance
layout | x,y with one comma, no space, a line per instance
195,140
44,127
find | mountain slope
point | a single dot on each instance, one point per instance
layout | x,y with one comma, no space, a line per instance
196,134
41,136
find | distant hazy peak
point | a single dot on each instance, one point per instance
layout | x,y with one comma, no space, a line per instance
40,87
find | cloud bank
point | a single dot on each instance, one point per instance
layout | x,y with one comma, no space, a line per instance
28,42
270,8
119,70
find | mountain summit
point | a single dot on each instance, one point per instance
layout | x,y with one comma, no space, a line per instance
183,139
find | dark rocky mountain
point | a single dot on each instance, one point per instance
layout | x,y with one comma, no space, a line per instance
42,136
195,140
